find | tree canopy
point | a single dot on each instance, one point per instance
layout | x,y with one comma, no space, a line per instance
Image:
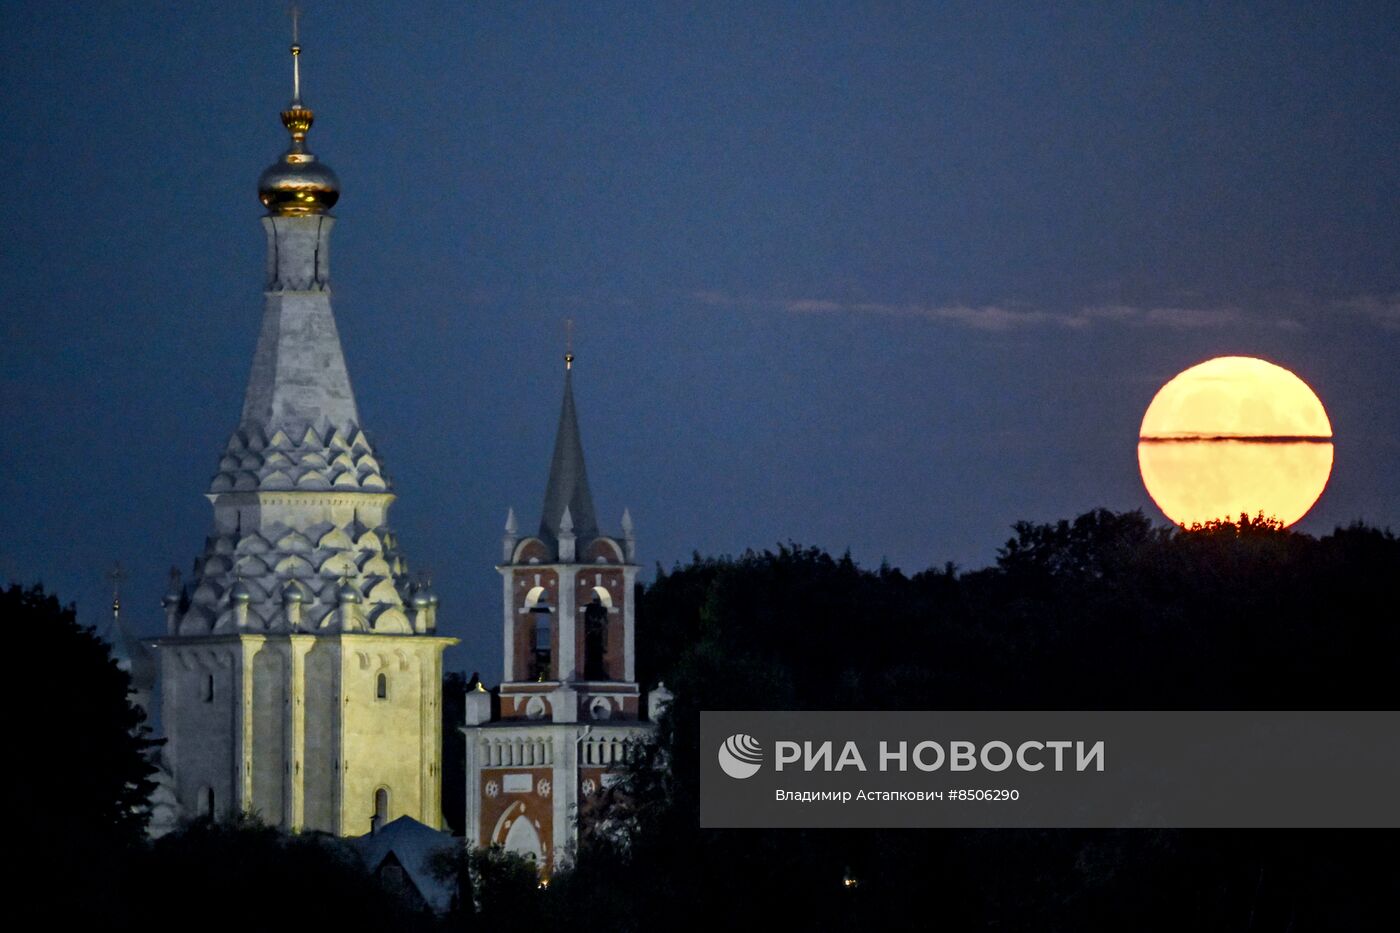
1103,611
85,776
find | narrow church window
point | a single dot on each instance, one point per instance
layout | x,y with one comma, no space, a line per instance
381,687
542,637
209,802
595,640
381,807
209,691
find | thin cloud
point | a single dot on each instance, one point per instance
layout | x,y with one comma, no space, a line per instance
1383,310
991,318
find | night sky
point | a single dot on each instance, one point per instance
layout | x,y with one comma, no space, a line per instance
886,277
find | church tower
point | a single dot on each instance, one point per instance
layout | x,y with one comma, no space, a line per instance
301,679
558,730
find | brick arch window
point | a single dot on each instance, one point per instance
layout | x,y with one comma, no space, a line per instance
541,634
541,645
595,636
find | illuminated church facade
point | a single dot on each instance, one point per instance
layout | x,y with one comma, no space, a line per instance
301,673
300,670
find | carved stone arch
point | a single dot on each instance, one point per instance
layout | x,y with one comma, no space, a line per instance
313,479
349,619
226,622
195,622
384,592
217,564
339,564
523,838
372,563
390,620
279,622
604,551
211,660
530,551
295,565
295,542
277,479
259,617
253,543
250,565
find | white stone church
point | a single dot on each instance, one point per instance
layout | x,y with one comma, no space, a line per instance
300,673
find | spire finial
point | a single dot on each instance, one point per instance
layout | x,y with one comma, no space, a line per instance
297,184
568,343
116,575
296,55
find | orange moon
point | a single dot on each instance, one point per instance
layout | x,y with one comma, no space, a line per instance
1235,435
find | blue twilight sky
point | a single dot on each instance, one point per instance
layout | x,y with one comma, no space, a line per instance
885,276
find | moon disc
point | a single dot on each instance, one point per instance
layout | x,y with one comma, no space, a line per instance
1235,435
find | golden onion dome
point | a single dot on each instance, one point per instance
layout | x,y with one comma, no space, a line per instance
297,183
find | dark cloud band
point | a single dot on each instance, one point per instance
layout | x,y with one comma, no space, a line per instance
1242,438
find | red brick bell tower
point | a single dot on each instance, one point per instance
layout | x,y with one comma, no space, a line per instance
558,729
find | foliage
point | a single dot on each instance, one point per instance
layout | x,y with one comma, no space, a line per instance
85,781
1104,611
240,873
495,889
454,750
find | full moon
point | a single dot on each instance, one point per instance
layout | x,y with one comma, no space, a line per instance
1235,435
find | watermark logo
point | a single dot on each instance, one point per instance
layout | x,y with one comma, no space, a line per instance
741,756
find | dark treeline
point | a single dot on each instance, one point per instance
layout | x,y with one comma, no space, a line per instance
1107,611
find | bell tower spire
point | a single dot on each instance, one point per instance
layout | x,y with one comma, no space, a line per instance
567,489
555,732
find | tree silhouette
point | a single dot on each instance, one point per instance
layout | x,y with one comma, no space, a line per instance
89,776
1104,611
82,768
